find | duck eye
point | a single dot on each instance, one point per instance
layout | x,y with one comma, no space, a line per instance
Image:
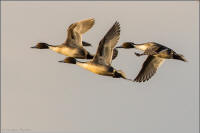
169,51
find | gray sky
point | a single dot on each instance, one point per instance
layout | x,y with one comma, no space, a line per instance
42,95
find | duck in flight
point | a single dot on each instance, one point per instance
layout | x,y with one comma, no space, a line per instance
101,62
157,54
73,46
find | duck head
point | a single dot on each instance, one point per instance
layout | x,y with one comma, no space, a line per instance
127,45
41,45
69,60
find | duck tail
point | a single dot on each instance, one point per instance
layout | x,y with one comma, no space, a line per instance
120,74
89,56
86,44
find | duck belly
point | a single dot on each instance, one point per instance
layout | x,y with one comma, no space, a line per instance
98,69
67,52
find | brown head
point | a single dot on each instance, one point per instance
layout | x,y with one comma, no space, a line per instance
127,45
41,45
69,60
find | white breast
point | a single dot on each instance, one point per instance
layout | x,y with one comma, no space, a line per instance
64,50
141,47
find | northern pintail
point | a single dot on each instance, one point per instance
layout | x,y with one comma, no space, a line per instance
101,63
157,54
73,46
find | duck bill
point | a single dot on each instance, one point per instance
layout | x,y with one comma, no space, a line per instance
183,59
33,47
61,61
180,57
119,47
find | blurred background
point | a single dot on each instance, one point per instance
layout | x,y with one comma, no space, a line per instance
38,94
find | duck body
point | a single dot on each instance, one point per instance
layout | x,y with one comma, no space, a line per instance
157,54
154,49
97,68
76,52
144,46
73,46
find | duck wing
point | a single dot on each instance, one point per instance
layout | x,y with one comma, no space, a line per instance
115,53
105,49
149,68
75,31
84,25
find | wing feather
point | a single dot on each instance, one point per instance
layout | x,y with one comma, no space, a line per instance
75,31
149,68
105,49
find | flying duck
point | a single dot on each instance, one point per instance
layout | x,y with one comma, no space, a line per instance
73,46
101,62
157,54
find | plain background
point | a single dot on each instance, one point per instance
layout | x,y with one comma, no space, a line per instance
41,95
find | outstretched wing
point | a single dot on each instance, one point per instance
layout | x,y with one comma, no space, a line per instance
105,50
84,25
149,68
75,31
